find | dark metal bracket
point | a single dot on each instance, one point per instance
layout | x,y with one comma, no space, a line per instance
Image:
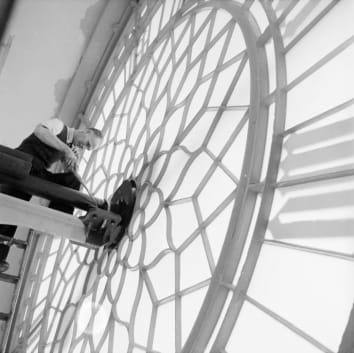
102,227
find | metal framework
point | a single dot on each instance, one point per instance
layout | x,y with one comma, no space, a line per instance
241,238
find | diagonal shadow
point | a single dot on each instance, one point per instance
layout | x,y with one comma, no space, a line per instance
317,209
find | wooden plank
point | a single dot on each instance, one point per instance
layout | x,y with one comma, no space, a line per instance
4,316
4,277
29,215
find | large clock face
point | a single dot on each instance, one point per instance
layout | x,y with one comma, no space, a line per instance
181,125
192,105
182,122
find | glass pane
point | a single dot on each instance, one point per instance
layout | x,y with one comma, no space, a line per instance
217,229
217,189
182,215
156,238
194,257
176,166
213,55
221,20
190,309
198,130
236,44
125,303
163,276
189,81
164,340
194,175
120,338
172,129
306,290
332,85
257,332
200,93
200,38
143,317
321,39
155,25
322,149
318,215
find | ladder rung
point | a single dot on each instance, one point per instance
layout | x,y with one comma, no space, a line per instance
4,316
9,278
12,241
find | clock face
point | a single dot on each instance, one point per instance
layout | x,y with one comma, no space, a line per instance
192,105
181,124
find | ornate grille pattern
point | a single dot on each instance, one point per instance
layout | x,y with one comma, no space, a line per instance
240,236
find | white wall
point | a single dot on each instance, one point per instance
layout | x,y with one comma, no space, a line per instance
49,39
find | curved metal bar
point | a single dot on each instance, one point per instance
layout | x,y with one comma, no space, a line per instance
268,193
245,198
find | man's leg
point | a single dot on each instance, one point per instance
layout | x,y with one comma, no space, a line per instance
65,179
9,230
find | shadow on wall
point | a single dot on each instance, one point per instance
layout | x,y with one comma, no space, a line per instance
87,25
290,27
91,18
6,9
322,208
60,89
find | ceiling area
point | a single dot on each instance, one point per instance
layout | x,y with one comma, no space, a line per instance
47,49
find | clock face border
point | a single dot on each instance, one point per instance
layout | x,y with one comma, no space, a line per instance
245,197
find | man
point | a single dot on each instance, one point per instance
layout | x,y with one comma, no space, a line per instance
51,142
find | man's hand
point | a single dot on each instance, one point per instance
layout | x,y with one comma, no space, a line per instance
70,159
47,137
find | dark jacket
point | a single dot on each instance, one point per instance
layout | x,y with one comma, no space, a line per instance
43,155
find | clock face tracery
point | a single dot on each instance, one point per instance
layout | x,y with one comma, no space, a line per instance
176,126
192,104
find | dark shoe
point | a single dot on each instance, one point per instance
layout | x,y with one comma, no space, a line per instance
4,266
103,205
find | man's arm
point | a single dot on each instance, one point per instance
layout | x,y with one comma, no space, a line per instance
47,137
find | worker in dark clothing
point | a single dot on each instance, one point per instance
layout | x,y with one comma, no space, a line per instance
51,142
